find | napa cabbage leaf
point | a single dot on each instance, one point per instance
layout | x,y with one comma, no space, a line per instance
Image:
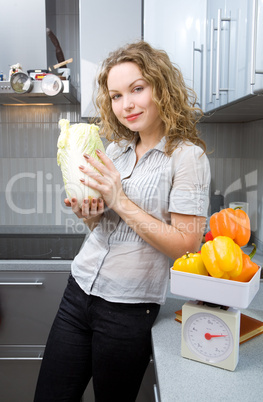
73,141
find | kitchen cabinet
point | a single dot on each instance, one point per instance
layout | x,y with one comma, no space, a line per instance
217,45
23,35
180,31
29,302
234,61
104,26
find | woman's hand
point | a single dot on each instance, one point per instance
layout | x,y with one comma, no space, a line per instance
90,211
89,208
107,180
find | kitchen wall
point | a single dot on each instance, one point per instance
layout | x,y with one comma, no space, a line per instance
235,154
31,187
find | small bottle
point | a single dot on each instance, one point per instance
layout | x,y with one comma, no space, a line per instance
217,201
1,76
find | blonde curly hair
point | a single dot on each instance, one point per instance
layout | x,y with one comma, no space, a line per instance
175,101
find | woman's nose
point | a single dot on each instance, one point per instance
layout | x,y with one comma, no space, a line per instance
128,103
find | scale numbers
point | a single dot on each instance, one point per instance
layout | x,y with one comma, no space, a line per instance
208,336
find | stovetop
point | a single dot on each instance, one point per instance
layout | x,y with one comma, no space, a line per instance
40,246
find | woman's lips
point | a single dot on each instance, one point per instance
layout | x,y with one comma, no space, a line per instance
132,117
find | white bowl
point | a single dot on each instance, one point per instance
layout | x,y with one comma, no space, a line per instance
215,290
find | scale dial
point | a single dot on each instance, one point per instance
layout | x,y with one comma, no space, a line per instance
208,336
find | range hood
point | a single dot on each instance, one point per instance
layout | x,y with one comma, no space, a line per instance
36,96
29,46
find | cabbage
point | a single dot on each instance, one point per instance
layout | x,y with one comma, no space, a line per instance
73,142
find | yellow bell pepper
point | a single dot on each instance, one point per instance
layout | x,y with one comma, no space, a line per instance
190,262
222,257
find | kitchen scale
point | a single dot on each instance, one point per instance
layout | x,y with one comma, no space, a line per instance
210,328
210,334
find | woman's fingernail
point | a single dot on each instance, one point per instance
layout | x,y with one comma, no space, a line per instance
94,201
100,200
82,180
86,201
73,200
98,151
81,167
86,156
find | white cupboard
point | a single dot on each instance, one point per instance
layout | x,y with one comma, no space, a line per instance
179,30
104,26
234,51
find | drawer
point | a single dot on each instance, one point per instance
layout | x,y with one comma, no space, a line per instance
28,304
19,367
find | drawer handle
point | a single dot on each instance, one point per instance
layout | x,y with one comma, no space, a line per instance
21,283
155,391
21,358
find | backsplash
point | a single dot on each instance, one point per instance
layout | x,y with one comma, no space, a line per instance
235,154
31,186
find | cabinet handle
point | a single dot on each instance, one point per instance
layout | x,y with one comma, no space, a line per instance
219,20
211,61
22,352
21,283
195,49
21,358
218,53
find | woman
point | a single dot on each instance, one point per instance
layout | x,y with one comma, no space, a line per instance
154,183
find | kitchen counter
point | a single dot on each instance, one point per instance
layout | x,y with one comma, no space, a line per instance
35,265
180,379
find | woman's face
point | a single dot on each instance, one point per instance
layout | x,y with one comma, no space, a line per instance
131,99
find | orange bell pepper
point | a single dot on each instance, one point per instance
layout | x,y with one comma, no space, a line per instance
190,262
249,268
233,223
222,257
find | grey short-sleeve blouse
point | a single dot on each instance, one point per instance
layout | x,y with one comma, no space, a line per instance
116,263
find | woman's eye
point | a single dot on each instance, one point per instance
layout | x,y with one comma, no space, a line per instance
115,97
138,89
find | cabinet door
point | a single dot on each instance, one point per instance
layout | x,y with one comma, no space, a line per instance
104,26
29,302
180,31
217,57
240,48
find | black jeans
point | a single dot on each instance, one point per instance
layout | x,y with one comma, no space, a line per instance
90,337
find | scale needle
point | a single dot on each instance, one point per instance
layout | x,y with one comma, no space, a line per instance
209,336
